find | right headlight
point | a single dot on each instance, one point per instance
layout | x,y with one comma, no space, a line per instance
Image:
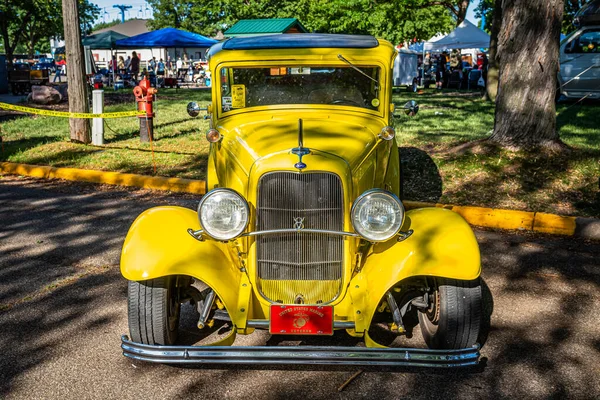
377,215
223,214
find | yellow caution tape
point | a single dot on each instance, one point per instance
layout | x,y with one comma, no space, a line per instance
64,114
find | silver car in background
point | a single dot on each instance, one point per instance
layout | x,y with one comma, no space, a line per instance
579,75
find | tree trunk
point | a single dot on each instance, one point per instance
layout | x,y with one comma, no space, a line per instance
493,65
8,49
528,52
463,6
31,45
6,36
78,99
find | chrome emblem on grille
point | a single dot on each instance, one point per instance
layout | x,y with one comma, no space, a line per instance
299,223
300,151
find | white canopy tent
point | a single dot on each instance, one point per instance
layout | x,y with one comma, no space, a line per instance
465,36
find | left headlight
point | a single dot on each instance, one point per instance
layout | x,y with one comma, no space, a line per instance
377,215
223,214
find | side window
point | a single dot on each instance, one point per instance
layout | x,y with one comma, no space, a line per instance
587,42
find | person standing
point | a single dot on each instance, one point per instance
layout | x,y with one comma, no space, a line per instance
57,74
128,62
160,73
120,64
484,68
169,65
152,65
134,66
179,66
440,71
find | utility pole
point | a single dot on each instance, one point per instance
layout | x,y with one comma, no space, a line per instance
123,8
78,100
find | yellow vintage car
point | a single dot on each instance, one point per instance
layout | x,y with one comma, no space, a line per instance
301,230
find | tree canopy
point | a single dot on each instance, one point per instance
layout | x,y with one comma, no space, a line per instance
27,25
395,20
486,7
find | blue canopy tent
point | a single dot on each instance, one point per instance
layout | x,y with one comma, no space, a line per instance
166,38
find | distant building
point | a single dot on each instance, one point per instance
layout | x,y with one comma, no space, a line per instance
128,28
255,27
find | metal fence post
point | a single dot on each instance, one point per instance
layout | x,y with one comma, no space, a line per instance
98,123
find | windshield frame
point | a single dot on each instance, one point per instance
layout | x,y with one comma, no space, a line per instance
382,95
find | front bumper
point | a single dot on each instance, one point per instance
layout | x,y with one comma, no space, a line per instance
284,355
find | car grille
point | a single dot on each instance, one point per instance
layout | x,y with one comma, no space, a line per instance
305,264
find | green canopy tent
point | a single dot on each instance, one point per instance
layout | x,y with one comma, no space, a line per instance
104,41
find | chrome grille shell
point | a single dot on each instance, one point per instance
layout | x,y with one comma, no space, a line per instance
292,264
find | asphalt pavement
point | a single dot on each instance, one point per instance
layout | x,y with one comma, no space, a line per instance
63,310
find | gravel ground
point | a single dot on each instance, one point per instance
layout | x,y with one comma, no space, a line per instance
63,309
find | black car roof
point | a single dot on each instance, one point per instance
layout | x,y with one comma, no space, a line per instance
297,41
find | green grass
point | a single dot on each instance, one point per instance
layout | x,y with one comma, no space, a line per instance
179,145
440,162
440,165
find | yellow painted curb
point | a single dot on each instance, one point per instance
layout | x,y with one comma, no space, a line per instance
555,224
478,216
486,217
111,178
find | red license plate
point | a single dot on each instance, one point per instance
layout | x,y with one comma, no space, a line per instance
301,320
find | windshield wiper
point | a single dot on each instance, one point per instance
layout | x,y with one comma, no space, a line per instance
341,57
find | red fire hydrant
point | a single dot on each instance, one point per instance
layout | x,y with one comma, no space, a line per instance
144,95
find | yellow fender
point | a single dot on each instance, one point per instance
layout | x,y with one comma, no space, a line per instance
442,245
158,244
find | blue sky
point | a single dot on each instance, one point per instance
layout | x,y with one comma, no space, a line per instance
139,10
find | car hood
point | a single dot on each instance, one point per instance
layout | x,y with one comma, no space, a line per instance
350,138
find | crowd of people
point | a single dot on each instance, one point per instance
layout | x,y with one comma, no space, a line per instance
182,69
442,65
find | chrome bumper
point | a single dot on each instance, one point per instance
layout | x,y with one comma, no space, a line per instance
284,355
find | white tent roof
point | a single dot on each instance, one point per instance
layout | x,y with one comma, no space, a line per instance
465,36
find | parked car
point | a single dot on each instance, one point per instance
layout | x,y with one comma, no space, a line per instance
589,14
45,63
301,230
579,74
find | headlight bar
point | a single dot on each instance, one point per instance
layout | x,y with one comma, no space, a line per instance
200,234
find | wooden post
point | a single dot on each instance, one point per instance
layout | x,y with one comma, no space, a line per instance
78,99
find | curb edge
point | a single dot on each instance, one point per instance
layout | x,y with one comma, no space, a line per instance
586,228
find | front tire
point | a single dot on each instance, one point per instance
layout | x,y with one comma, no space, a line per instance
454,316
153,311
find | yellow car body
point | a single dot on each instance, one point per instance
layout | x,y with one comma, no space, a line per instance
344,140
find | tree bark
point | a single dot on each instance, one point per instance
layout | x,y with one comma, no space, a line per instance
78,99
463,6
493,65
528,46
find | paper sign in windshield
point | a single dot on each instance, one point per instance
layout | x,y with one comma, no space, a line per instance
300,71
238,94
226,103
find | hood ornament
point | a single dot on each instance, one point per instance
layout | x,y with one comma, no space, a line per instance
300,151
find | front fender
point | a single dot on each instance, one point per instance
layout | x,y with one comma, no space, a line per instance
442,245
158,244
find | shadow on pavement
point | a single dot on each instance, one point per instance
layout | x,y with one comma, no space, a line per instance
540,293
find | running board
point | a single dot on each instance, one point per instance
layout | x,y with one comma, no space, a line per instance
300,355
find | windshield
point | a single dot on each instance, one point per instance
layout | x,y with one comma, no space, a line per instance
265,86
